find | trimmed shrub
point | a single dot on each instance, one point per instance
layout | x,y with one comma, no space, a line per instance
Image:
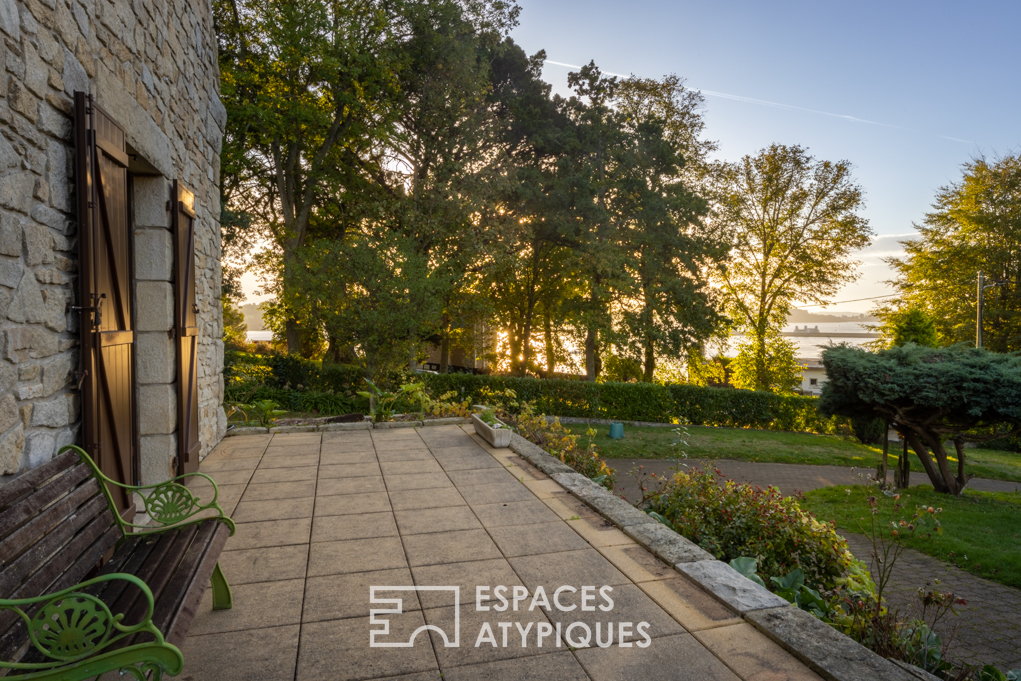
703,406
869,431
732,520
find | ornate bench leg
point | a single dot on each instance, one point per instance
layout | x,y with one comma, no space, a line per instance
222,597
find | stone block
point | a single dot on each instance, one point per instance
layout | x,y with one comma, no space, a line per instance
537,456
25,343
361,425
57,373
154,255
156,455
150,202
11,271
40,447
11,445
293,429
16,190
10,235
731,587
250,430
10,19
10,415
38,245
667,544
28,304
9,158
55,308
156,358
824,649
157,409
155,305
53,413
75,78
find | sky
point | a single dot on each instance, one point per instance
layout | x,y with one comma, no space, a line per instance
905,91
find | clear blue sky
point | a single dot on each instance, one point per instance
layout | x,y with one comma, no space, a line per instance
939,83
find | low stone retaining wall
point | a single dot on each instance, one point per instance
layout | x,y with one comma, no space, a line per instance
361,425
825,650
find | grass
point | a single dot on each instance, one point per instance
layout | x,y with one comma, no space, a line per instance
648,442
981,530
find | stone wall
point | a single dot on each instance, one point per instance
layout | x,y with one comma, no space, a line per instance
151,64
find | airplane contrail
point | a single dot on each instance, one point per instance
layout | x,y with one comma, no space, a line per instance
778,105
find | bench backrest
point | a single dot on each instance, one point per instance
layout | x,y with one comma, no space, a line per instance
55,526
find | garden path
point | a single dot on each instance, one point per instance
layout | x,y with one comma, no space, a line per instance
322,517
990,625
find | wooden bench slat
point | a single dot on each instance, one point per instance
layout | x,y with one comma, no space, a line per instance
25,484
87,548
45,553
14,517
173,578
176,629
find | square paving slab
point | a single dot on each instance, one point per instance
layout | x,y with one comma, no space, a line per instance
325,520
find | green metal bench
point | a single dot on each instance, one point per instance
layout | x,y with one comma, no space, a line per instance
57,522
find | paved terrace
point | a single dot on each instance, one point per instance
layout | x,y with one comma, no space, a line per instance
324,516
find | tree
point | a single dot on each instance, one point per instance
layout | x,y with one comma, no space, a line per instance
929,395
907,325
766,364
793,222
975,225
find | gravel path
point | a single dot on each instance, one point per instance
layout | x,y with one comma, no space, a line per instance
990,625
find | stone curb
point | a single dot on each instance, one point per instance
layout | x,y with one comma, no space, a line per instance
359,425
824,649
446,421
390,425
578,420
293,429
248,430
731,587
667,544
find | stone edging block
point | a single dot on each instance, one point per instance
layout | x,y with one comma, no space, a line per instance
293,429
248,430
667,544
445,421
538,457
396,424
357,425
824,649
731,587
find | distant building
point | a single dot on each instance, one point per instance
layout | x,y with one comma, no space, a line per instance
813,376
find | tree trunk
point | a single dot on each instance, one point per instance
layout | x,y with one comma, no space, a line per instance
551,363
590,354
939,483
881,469
650,361
444,344
962,479
902,475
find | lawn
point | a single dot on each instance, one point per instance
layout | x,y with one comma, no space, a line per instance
981,530
649,442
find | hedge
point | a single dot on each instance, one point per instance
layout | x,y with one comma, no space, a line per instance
701,406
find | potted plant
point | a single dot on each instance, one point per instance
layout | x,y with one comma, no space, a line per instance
491,428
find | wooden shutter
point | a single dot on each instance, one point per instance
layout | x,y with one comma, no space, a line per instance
186,328
104,294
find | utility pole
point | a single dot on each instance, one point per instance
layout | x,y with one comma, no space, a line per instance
978,315
982,286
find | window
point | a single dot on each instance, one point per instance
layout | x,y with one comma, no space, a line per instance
813,381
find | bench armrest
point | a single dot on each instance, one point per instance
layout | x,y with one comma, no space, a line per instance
170,504
73,625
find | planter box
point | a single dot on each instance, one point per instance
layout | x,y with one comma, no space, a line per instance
498,437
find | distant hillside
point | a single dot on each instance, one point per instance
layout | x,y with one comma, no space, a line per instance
804,316
253,317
